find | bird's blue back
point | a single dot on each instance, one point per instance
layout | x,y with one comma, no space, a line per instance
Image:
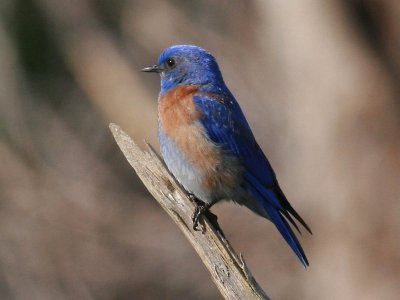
226,125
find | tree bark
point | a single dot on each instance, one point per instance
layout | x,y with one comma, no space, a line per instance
228,270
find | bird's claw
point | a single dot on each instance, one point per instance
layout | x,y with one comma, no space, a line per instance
192,197
198,212
200,209
203,209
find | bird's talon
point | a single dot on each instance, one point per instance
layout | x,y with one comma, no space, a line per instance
195,218
198,212
192,197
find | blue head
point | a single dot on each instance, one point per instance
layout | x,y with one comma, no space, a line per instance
187,65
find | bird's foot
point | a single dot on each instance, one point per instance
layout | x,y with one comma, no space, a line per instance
194,199
204,209
201,209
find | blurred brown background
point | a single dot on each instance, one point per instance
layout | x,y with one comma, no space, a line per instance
320,84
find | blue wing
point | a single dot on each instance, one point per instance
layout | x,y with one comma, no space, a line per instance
226,125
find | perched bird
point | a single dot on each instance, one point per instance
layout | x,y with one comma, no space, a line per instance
208,145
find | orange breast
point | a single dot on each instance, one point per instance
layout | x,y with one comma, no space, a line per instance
176,108
177,119
177,116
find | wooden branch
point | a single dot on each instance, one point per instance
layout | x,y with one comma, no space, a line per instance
228,270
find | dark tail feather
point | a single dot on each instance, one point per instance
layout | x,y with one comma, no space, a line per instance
284,228
290,219
290,209
278,200
268,199
288,235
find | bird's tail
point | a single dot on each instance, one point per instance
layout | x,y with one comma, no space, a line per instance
268,199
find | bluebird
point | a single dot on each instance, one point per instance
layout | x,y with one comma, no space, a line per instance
207,144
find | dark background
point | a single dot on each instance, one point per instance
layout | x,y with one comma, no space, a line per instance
319,82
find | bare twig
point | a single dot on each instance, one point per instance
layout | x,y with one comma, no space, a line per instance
228,270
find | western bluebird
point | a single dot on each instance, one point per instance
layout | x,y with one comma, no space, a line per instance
208,145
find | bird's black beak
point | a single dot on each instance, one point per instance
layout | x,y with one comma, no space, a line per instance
153,69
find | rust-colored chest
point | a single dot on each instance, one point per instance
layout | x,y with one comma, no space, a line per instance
176,109
177,115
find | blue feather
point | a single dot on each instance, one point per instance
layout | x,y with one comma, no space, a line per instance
226,126
269,200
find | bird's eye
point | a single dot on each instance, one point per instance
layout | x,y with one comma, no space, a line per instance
170,63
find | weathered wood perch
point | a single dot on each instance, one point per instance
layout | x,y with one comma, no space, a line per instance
228,270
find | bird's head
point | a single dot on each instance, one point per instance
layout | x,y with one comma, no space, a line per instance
186,65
